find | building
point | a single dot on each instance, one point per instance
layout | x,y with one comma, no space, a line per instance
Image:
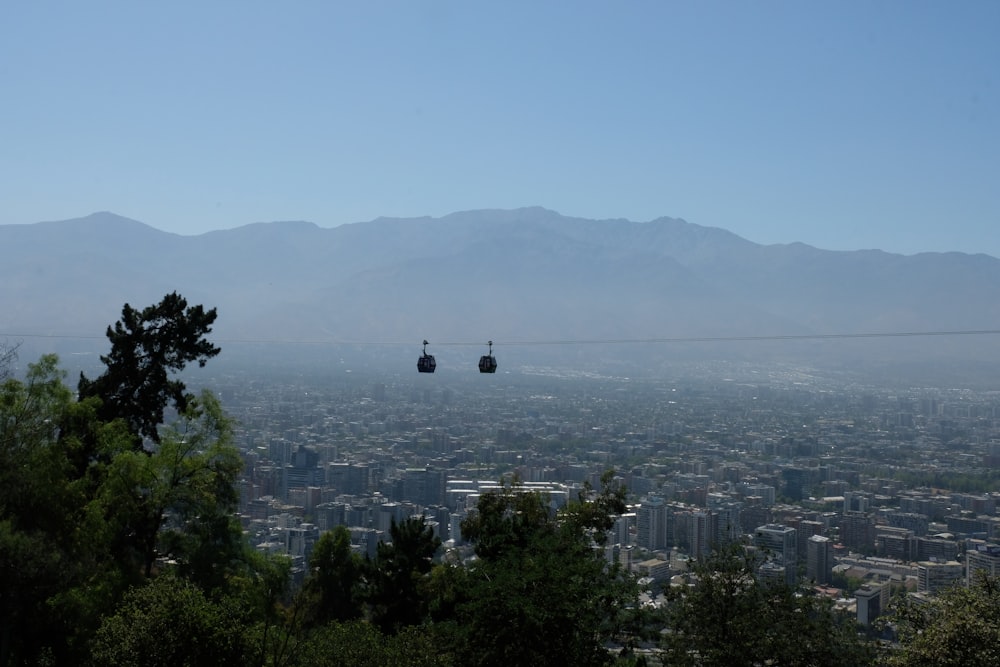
651,524
656,569
936,576
703,532
897,543
872,599
857,531
981,557
819,559
779,543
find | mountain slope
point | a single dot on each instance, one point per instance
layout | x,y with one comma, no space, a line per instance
520,275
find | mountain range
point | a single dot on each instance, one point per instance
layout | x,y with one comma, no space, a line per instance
518,276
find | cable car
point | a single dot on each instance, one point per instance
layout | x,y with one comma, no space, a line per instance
487,362
426,363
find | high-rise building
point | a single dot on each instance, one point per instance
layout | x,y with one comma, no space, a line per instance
703,532
855,501
621,532
981,557
936,548
779,543
857,531
727,522
806,529
898,543
819,559
765,492
872,601
651,524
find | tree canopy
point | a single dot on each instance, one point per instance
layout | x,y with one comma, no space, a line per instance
85,511
726,616
539,592
959,626
146,346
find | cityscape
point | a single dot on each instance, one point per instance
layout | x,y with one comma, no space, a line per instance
851,489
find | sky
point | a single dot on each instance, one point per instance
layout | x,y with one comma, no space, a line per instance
845,125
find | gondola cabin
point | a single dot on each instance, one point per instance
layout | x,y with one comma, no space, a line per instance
487,362
426,363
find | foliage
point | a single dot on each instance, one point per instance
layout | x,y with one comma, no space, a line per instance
728,617
960,626
979,481
396,579
85,514
332,592
179,500
539,593
48,539
145,346
360,644
171,622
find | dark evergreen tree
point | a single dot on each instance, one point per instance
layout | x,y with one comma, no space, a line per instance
396,587
146,346
332,592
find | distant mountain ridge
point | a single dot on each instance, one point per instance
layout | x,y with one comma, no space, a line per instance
510,275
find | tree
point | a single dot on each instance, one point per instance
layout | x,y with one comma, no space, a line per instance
960,626
86,512
178,502
726,616
169,622
360,644
397,578
540,592
332,592
46,546
146,346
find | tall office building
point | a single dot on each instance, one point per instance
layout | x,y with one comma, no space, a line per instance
857,531
872,601
819,559
651,524
703,532
779,542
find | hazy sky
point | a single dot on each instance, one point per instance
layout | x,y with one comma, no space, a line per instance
849,124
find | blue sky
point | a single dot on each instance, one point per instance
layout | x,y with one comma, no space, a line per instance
845,125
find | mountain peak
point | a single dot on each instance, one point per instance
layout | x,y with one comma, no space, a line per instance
105,221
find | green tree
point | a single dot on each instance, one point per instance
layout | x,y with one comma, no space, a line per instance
396,589
49,542
960,626
360,644
726,616
146,346
171,622
86,512
332,592
539,592
178,501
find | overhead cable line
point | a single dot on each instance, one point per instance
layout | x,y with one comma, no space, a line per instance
579,341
